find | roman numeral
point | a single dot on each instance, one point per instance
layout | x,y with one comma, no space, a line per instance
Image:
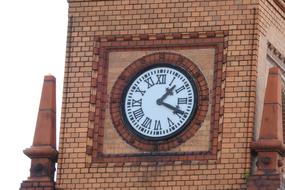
136,103
161,79
179,89
157,125
181,115
147,123
149,82
170,123
182,101
138,114
140,91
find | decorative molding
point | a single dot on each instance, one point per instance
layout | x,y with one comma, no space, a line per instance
280,4
172,41
162,36
277,58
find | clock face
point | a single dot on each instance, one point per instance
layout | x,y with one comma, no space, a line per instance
159,102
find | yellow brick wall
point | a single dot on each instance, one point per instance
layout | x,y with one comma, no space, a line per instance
91,19
271,28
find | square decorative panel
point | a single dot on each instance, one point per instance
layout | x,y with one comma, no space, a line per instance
157,97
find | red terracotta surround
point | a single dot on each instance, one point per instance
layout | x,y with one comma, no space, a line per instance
130,72
106,44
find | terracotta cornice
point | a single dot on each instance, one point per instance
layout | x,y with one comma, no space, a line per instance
280,4
268,145
273,52
41,152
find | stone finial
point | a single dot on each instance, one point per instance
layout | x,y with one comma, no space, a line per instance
271,131
271,126
270,145
45,133
43,152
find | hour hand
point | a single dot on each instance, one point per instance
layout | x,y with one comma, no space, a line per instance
169,91
175,109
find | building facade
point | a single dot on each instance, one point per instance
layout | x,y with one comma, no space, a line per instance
169,94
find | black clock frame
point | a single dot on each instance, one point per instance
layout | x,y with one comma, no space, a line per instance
187,123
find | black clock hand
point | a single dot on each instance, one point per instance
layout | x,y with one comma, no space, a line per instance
175,109
167,93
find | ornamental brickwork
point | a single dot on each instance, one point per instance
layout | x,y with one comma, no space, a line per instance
228,46
99,29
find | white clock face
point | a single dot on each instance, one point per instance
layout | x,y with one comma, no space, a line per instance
160,102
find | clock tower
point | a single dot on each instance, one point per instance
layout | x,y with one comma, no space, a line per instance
173,94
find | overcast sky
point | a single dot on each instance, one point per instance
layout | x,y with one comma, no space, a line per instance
32,44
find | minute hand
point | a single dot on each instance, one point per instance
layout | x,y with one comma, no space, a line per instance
175,109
